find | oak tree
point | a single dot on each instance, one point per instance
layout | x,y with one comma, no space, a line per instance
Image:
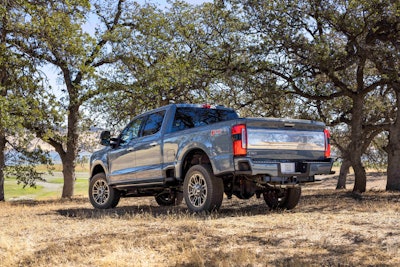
322,54
53,34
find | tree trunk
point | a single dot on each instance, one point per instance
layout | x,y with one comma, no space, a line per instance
2,164
69,175
344,171
360,184
68,159
393,150
356,144
393,169
4,79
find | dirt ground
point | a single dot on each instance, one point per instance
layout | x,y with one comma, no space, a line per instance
328,228
376,181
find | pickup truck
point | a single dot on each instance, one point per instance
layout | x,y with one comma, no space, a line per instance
200,152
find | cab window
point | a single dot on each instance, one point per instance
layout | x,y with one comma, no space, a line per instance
186,118
153,123
131,131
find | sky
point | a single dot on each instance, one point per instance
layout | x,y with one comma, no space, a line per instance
164,2
91,23
52,72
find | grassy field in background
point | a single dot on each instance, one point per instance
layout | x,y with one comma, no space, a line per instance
51,188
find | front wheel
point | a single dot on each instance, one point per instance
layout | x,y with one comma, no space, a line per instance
202,190
287,198
101,195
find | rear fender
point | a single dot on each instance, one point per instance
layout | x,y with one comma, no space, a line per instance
195,156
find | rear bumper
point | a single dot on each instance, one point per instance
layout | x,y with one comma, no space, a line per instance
272,172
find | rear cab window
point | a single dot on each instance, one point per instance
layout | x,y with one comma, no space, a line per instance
191,117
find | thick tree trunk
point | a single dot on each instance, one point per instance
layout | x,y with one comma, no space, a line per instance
2,164
393,150
356,144
360,184
68,159
344,171
393,169
4,80
69,175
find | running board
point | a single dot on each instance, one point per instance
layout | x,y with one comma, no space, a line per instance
145,184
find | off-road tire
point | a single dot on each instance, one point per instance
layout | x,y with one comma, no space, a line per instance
169,199
286,199
101,195
292,198
202,190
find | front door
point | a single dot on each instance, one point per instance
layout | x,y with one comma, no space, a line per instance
122,157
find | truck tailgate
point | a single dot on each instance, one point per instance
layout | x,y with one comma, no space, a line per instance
280,139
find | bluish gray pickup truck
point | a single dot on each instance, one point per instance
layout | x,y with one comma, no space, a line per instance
200,152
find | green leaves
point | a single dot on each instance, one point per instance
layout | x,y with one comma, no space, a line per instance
340,59
24,165
302,58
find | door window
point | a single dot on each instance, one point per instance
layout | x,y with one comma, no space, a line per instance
153,123
131,131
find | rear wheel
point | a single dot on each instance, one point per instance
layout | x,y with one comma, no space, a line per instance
169,198
202,190
287,198
101,195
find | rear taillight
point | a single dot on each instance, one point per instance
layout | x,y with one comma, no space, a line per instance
239,137
327,143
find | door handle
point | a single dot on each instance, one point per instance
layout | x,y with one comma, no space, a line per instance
153,144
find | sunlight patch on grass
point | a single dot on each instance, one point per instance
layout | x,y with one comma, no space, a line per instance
13,190
50,189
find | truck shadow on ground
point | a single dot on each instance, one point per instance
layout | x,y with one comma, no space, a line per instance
327,201
151,211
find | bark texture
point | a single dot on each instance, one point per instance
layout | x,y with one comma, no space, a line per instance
2,164
344,171
393,151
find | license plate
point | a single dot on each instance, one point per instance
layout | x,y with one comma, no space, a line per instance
287,167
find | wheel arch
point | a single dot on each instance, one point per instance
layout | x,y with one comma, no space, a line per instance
193,157
98,168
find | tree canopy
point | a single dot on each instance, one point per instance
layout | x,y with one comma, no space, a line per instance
335,61
323,55
22,98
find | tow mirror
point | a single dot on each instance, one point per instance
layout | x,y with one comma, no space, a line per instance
105,137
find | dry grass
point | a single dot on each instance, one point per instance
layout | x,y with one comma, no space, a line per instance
328,228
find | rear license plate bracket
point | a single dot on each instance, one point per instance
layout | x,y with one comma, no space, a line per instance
288,167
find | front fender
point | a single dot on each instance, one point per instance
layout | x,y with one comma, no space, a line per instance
99,163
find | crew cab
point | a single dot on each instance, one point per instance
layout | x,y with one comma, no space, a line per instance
200,152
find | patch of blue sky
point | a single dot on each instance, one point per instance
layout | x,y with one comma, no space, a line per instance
53,74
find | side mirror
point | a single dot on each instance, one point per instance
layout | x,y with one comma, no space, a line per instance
105,137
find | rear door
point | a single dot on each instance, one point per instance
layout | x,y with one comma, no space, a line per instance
148,154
